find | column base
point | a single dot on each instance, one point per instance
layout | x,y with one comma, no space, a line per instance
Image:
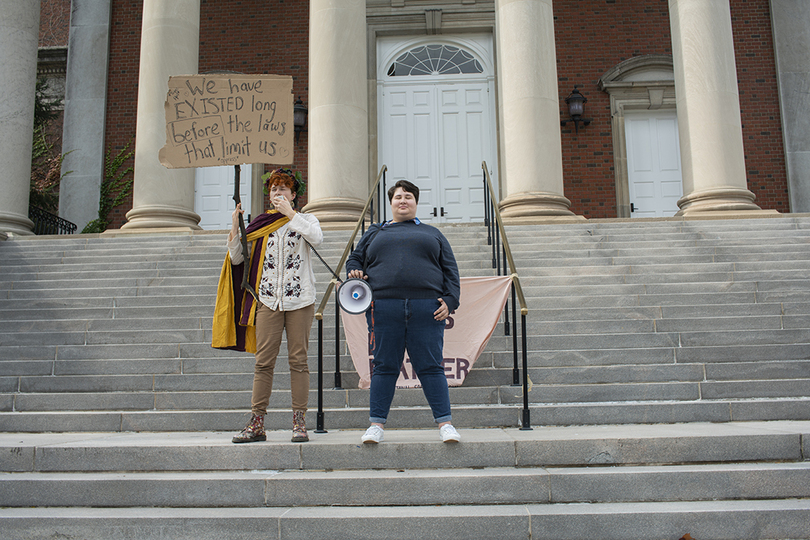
529,206
728,199
16,224
336,212
158,217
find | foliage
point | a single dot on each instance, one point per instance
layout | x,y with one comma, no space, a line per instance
115,188
45,164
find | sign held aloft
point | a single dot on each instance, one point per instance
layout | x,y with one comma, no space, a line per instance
228,119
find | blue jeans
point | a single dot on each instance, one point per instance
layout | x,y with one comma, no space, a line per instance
397,325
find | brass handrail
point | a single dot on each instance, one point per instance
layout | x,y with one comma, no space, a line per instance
347,251
524,310
517,289
320,428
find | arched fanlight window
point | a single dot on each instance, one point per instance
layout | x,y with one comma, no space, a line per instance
434,60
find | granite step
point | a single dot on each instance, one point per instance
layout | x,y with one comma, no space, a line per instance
464,416
408,487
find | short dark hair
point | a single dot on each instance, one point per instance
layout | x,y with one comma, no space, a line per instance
406,186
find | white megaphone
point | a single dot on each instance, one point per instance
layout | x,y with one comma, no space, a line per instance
354,296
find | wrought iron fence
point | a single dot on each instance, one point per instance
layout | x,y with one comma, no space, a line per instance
47,223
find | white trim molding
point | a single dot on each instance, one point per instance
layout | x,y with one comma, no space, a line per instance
640,83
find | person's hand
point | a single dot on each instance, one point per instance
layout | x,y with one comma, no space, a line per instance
235,221
443,312
357,274
281,204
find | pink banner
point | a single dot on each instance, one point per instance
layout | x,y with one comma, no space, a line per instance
467,333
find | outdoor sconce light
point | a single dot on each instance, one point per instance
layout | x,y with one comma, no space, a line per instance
575,102
299,118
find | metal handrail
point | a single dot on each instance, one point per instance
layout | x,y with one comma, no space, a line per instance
347,251
524,310
47,223
493,214
331,287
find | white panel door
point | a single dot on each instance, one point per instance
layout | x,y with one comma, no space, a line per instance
410,143
436,136
465,142
653,163
213,195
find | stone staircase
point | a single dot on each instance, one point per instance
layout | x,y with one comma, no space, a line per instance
670,393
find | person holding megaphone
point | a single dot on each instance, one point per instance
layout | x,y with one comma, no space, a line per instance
414,278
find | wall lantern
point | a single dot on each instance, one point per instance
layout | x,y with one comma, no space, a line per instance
576,102
299,118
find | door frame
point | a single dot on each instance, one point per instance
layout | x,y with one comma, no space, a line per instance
661,179
642,83
481,45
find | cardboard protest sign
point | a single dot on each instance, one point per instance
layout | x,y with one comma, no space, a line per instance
228,119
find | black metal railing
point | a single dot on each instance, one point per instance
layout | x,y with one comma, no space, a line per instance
368,212
496,237
47,223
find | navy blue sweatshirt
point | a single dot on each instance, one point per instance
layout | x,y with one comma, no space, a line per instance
408,260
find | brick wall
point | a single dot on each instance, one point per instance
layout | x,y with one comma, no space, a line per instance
591,38
271,37
594,36
54,23
759,103
122,87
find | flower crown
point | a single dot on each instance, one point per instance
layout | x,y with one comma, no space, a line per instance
298,187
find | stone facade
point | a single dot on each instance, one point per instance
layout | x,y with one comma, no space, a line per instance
590,40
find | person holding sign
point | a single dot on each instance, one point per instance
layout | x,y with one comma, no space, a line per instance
281,273
414,278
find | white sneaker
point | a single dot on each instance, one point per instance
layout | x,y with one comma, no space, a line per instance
373,435
449,434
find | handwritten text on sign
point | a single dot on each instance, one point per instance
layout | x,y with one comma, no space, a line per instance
228,119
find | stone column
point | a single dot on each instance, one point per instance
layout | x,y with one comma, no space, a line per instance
19,40
708,104
170,41
791,32
338,111
532,148
85,110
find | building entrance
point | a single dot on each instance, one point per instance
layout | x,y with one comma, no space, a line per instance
437,123
653,163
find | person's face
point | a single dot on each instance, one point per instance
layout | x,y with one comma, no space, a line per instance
277,190
403,205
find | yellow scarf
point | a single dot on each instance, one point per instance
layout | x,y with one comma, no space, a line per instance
225,320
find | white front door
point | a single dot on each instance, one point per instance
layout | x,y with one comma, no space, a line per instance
653,163
465,142
213,195
435,131
436,136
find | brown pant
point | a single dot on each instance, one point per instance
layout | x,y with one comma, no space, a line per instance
269,327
